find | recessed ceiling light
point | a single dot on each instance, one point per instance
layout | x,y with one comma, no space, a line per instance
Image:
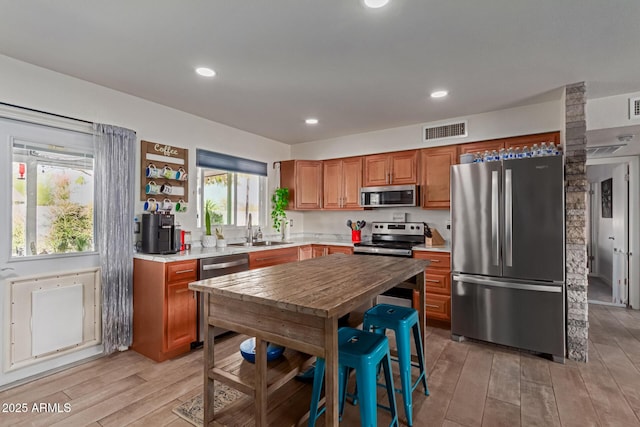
206,72
374,4
439,94
311,121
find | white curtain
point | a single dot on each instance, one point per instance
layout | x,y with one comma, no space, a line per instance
115,198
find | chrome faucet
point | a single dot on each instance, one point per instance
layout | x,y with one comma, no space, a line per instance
249,233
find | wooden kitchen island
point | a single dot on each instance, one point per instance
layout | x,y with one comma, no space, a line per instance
296,305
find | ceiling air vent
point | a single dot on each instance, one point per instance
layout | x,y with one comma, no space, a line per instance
451,130
634,108
603,150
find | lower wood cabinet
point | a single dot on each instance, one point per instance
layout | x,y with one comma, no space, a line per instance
305,252
164,308
267,258
323,250
438,285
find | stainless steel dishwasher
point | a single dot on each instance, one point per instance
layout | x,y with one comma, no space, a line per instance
216,267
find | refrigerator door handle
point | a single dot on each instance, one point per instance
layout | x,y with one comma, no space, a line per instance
508,218
495,219
508,285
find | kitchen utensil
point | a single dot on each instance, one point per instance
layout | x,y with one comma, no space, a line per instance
427,230
349,224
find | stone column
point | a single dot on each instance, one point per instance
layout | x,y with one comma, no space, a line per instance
576,229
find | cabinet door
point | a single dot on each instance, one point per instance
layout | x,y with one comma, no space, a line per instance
308,194
351,182
332,184
376,170
271,257
436,179
319,250
404,167
529,140
305,252
181,316
481,147
339,250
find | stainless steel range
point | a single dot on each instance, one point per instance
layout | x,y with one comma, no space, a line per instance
392,238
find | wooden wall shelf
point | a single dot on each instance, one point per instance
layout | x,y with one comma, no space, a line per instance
161,156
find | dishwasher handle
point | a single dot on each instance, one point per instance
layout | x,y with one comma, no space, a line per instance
221,265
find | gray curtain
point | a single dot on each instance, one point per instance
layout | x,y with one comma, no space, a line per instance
115,198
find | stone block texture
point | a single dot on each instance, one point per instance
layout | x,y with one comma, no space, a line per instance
576,232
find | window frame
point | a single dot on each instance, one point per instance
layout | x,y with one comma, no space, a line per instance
69,148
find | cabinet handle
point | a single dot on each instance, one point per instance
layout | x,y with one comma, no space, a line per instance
432,280
434,260
432,306
181,291
184,271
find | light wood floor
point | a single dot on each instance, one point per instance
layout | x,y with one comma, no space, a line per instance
472,384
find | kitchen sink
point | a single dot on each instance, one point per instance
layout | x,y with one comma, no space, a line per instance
261,243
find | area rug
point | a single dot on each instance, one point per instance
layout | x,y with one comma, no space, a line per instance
193,410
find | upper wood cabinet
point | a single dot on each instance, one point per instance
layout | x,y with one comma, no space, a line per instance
303,178
396,168
482,146
342,181
436,179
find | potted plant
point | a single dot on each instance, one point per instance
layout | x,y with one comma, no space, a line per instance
208,241
280,200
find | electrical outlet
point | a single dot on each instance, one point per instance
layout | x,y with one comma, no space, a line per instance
448,225
290,223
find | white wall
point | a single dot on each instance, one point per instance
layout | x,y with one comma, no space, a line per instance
544,117
603,227
610,112
34,87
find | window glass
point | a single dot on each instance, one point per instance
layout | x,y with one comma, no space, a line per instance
52,200
230,197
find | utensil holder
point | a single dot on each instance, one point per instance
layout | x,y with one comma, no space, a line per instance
356,236
435,239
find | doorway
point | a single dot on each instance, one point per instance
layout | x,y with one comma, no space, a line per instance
608,232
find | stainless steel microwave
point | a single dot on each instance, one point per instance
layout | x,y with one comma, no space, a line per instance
388,196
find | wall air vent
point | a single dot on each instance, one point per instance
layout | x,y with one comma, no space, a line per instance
603,150
634,108
451,130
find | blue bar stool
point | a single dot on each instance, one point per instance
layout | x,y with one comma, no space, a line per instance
402,320
364,352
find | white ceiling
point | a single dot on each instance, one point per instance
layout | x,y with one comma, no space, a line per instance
355,69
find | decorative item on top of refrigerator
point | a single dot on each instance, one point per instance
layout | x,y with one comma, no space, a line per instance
542,150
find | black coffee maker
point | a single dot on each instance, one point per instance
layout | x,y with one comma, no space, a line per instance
159,234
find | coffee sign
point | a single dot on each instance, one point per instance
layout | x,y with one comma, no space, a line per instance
167,150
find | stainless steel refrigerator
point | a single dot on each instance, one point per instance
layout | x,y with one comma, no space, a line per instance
508,259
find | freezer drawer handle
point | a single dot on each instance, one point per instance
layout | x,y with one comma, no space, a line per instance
521,286
224,265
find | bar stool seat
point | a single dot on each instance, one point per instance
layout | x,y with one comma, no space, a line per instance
403,321
364,352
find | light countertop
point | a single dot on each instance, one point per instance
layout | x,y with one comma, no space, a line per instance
200,252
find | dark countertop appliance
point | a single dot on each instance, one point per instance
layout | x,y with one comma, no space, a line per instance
159,234
508,256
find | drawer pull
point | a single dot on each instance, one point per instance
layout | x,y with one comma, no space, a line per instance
432,280
434,260
432,305
181,291
184,271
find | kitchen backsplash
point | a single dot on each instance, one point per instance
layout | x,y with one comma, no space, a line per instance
334,222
